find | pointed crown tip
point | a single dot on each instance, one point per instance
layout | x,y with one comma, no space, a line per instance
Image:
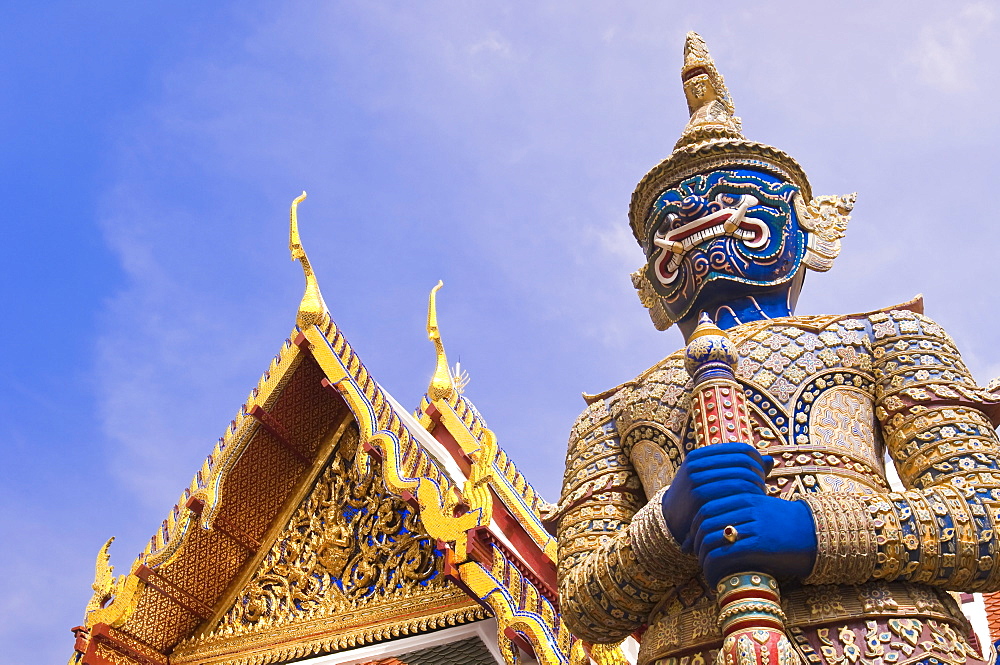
693,40
695,48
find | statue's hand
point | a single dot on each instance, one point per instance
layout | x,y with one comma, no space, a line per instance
775,536
708,474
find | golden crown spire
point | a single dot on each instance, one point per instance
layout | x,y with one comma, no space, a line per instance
709,103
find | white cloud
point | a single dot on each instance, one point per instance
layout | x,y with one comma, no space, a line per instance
493,43
615,240
159,408
946,49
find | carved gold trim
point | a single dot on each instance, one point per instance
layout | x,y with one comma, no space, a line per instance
333,629
168,541
407,467
301,491
480,443
447,510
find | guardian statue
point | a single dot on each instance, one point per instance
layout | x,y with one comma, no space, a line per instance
731,504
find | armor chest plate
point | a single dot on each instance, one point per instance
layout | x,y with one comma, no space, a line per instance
811,396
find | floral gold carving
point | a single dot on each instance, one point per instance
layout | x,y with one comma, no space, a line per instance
349,540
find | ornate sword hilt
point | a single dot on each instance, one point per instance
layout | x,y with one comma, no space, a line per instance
750,616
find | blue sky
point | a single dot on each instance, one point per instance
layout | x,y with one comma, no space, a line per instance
151,150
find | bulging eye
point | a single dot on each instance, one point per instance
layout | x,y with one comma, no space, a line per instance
670,223
728,200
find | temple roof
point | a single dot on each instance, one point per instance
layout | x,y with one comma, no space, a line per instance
200,591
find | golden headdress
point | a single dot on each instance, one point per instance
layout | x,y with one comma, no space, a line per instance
713,139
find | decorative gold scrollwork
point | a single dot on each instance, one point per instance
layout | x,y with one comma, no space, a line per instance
826,219
348,541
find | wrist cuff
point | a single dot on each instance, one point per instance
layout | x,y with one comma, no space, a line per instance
654,546
845,539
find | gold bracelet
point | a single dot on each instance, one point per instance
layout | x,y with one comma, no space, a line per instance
845,539
655,548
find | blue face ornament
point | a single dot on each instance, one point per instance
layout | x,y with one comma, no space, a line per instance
728,243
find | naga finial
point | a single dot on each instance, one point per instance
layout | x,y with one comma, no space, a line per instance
312,309
442,386
103,577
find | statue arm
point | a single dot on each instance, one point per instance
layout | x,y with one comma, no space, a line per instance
616,556
942,529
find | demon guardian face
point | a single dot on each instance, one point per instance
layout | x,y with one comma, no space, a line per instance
722,235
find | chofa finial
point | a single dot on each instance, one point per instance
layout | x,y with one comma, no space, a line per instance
312,309
441,386
446,382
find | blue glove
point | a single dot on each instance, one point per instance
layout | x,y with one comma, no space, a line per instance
707,474
776,536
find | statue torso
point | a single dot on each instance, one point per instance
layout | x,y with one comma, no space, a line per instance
810,383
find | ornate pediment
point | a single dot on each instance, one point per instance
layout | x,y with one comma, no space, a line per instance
351,565
291,541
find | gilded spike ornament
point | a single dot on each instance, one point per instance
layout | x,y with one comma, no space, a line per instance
312,309
104,578
442,383
711,107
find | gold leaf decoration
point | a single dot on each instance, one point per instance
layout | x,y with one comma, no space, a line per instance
349,541
826,219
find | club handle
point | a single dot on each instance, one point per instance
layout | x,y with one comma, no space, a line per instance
750,615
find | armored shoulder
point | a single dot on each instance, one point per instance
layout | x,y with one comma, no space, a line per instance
935,423
919,366
594,459
615,559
